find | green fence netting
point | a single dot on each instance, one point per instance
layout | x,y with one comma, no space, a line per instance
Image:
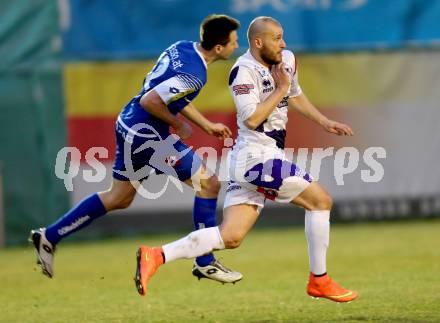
32,116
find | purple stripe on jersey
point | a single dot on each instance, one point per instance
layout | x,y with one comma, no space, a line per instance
278,135
260,127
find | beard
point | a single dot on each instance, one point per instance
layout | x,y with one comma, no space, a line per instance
269,57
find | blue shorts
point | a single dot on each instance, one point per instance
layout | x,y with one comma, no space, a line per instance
138,155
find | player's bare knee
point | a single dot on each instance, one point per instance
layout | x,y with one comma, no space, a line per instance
114,201
125,202
315,197
323,202
233,240
232,243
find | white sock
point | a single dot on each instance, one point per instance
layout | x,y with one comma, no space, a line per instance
195,244
317,228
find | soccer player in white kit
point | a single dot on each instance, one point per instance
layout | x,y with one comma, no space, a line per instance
264,84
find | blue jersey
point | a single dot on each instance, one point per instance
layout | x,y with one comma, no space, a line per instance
178,77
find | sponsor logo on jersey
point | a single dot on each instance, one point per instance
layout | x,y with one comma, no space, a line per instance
242,89
267,86
174,55
269,89
174,90
266,83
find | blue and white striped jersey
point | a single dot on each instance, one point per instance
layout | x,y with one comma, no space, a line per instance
178,77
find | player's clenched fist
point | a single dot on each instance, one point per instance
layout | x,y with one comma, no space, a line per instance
280,76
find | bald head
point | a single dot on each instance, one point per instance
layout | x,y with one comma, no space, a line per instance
266,43
259,26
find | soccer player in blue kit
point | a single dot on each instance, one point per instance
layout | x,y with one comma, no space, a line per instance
144,142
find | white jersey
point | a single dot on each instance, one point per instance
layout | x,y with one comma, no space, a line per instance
258,166
250,83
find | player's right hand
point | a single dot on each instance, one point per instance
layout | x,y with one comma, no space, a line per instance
219,130
280,76
184,130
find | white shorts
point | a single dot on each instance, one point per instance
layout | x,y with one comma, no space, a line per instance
258,173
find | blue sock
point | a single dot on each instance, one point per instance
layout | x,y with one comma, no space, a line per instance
84,213
204,217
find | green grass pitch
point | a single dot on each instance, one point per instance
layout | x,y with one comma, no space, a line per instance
395,266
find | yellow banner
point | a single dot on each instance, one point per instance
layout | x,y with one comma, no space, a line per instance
96,89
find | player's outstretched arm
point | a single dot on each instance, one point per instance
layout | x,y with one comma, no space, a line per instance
214,129
153,104
302,104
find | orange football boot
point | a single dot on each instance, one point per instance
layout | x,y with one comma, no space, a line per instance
147,261
325,287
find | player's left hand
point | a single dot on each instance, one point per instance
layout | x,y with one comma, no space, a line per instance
219,130
337,128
